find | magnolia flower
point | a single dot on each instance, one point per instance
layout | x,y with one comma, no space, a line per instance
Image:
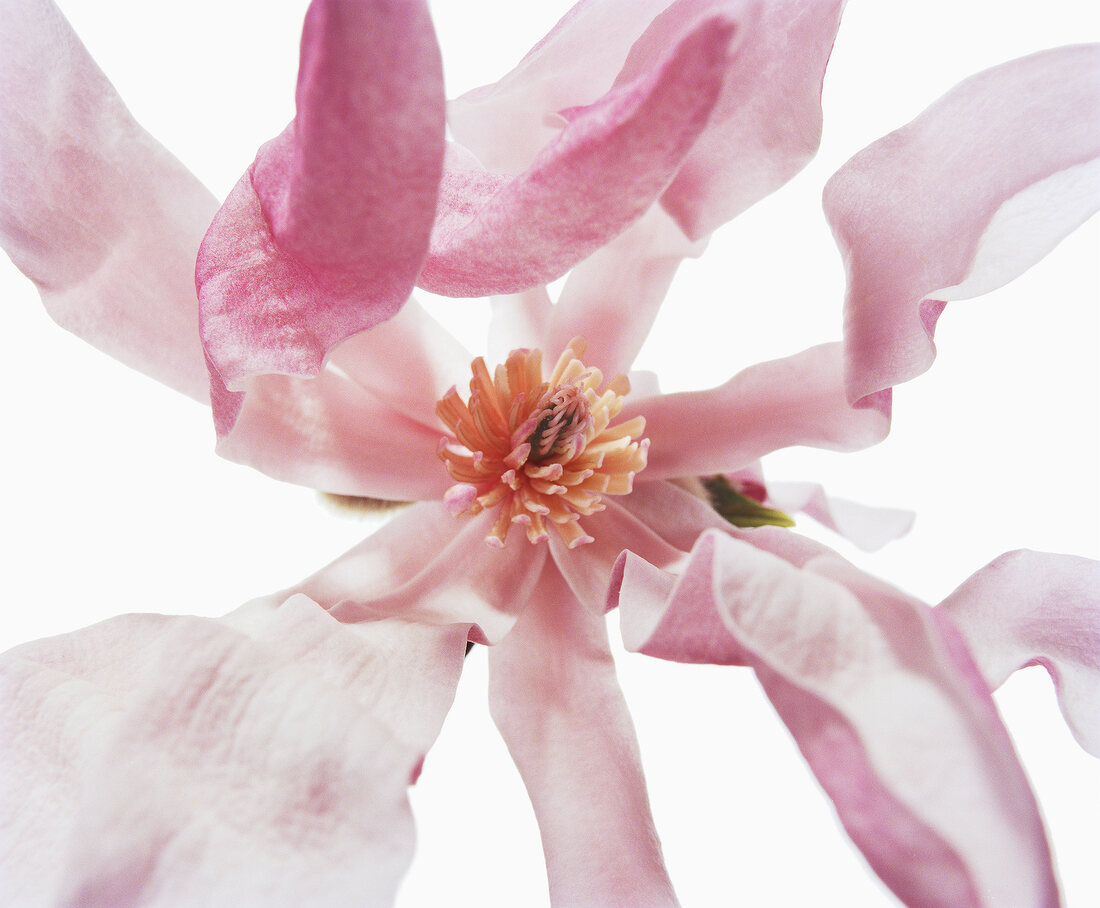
384,683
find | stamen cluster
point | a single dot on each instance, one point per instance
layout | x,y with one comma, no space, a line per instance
541,450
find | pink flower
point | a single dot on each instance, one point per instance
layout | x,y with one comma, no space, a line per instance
271,749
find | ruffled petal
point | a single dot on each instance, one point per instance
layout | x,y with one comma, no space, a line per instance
766,125
506,124
497,233
866,526
554,696
937,211
260,759
612,297
92,209
428,566
798,400
328,433
1029,608
764,128
324,236
884,702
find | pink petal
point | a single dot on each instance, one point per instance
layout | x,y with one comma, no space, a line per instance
1031,607
518,320
408,363
884,703
766,125
428,566
612,297
328,433
962,200
868,527
679,517
501,234
554,696
798,400
92,209
507,123
587,569
324,236
259,759
658,522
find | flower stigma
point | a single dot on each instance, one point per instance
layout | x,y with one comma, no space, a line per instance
542,450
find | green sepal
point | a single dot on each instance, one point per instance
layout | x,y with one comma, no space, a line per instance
738,509
357,505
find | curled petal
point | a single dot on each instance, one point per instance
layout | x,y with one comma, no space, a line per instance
324,236
937,211
501,234
554,696
154,760
766,125
883,700
798,400
92,209
426,565
866,526
1031,607
507,123
764,128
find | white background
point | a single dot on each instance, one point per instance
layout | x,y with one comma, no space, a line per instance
115,502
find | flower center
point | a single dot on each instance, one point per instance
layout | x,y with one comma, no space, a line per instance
542,451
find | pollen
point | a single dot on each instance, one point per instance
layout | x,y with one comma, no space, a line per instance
542,451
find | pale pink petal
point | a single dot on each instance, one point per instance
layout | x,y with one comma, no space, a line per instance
884,702
507,123
501,234
612,297
518,320
659,522
766,125
764,128
587,568
324,236
1028,608
426,565
798,400
260,759
328,433
407,363
677,515
554,696
680,516
92,209
866,526
939,211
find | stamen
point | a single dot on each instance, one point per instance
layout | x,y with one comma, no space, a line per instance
543,451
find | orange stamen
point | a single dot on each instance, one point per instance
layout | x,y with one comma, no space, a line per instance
543,451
